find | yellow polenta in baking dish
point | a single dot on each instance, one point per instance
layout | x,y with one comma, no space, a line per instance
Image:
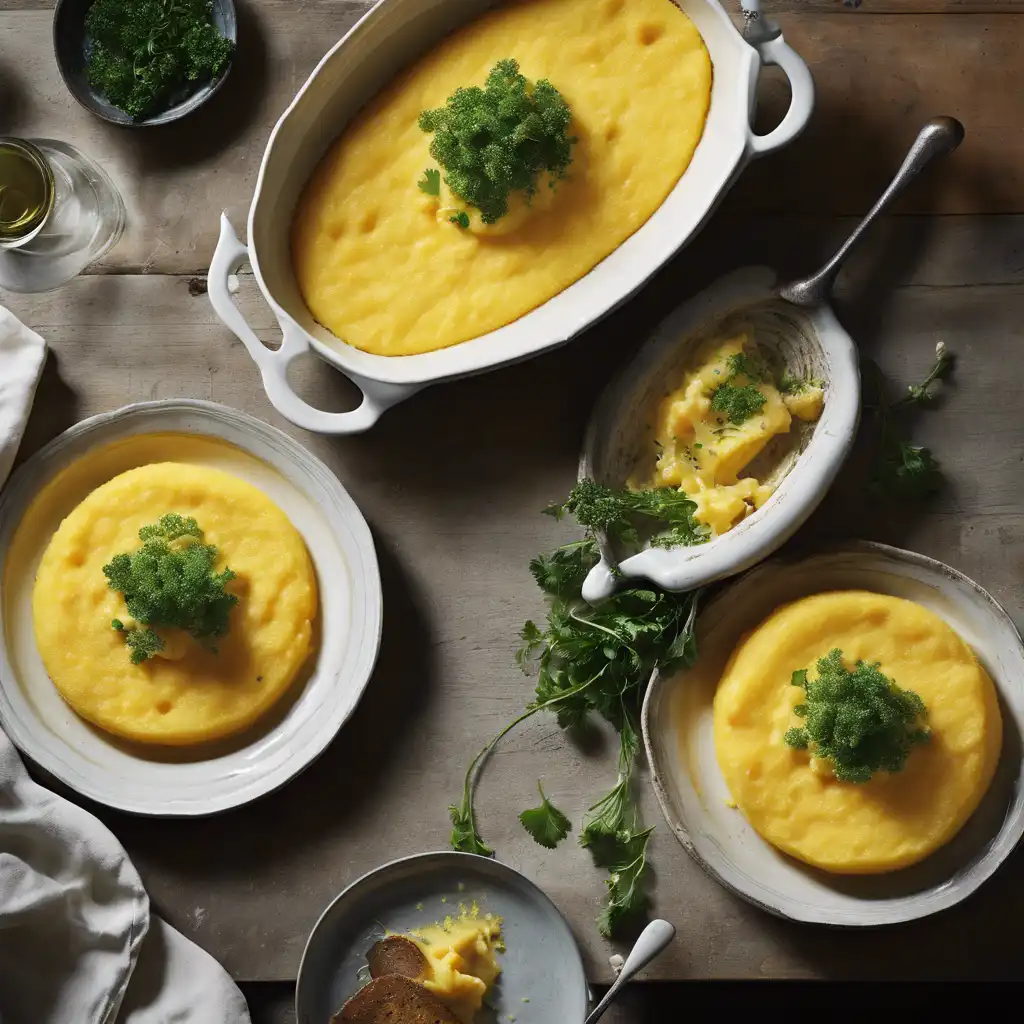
396,269
188,688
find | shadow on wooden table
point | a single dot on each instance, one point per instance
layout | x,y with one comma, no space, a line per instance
12,100
56,408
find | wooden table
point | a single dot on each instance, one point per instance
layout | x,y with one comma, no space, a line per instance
452,481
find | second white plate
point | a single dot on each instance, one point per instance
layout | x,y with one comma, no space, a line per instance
178,782
677,726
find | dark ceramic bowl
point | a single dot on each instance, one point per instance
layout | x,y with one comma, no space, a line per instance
70,46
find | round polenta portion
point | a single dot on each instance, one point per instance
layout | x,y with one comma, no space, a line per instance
187,693
794,801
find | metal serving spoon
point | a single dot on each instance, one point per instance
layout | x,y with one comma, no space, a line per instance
653,939
939,137
688,568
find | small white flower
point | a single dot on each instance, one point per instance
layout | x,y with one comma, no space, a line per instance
940,350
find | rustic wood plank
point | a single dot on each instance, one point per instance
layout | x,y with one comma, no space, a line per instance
455,519
878,78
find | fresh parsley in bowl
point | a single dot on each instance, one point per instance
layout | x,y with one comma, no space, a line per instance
144,62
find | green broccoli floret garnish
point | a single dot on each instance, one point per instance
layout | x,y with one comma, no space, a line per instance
141,52
859,721
496,140
169,582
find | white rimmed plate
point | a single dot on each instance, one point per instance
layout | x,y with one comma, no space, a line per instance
542,980
677,726
206,779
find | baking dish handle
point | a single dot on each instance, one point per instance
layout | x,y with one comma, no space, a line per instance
273,365
801,86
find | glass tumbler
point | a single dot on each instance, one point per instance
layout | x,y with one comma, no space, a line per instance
59,212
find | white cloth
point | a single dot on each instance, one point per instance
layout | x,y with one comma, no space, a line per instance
78,943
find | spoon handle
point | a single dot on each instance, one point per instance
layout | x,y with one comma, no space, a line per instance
653,939
938,137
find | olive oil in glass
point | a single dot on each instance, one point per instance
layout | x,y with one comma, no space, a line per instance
59,212
26,191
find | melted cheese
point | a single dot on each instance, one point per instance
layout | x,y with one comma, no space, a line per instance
378,262
794,801
461,965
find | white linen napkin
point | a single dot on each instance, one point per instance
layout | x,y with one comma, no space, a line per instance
78,943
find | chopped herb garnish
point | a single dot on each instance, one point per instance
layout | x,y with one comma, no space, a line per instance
170,582
499,139
737,405
859,721
460,219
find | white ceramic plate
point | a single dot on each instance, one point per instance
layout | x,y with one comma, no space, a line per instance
542,979
178,782
693,794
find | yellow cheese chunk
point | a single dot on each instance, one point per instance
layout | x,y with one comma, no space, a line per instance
190,693
377,260
795,802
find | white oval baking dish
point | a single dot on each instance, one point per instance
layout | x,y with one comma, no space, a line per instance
678,738
212,777
386,39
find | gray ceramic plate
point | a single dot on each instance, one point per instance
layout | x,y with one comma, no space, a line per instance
542,979
678,732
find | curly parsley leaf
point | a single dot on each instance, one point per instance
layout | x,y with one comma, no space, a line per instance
546,824
430,182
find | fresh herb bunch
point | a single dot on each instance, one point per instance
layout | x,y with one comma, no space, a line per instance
903,470
859,721
170,582
499,139
665,510
593,660
143,51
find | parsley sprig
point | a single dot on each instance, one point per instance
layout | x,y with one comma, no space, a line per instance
903,470
664,514
593,661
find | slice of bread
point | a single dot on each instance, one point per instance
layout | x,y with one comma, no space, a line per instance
392,999
396,954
